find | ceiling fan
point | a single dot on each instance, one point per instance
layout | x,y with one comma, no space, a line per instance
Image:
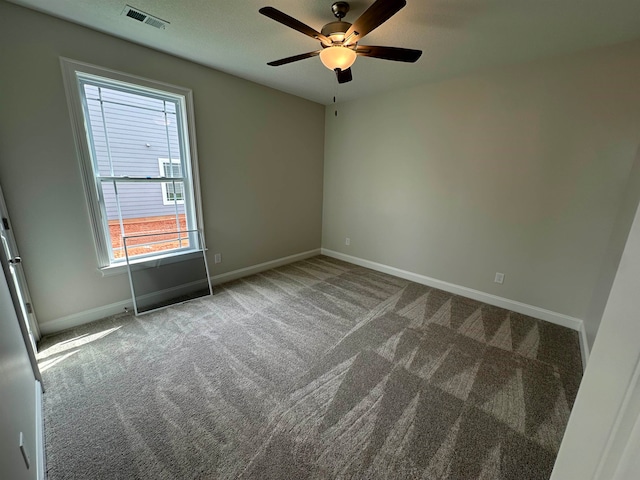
339,40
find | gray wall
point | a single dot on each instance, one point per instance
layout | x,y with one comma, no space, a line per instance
613,253
520,170
260,155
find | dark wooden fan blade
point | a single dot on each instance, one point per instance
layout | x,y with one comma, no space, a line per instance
389,53
373,17
291,22
302,56
344,76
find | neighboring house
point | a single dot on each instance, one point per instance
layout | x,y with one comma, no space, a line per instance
143,141
136,136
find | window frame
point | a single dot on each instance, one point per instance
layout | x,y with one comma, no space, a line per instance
72,70
165,185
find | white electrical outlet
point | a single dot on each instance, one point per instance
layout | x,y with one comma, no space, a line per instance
217,258
347,241
499,278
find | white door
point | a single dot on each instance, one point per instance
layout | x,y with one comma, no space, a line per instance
21,440
17,275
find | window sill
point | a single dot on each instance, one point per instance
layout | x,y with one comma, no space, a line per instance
121,268
113,270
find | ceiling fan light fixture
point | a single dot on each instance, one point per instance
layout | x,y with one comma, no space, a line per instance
339,40
337,57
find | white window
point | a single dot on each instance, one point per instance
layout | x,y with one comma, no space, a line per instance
171,191
125,128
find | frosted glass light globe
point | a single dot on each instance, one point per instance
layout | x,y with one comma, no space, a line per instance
337,57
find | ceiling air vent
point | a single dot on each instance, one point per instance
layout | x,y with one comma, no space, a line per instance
143,17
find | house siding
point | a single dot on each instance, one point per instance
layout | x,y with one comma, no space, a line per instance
139,135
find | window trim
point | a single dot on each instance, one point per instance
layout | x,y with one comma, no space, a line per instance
70,69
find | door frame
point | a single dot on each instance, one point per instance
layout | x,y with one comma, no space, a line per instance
12,270
18,278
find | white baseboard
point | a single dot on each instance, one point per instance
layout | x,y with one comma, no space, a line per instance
261,267
91,315
86,316
584,346
513,305
573,323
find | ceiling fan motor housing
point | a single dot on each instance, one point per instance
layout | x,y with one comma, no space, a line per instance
335,28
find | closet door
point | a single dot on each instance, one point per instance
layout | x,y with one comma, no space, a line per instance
20,397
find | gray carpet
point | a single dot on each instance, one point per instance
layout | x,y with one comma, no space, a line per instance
316,370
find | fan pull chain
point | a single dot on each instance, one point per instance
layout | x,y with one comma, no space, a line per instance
335,111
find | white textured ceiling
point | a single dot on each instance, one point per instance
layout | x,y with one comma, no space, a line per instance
456,36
